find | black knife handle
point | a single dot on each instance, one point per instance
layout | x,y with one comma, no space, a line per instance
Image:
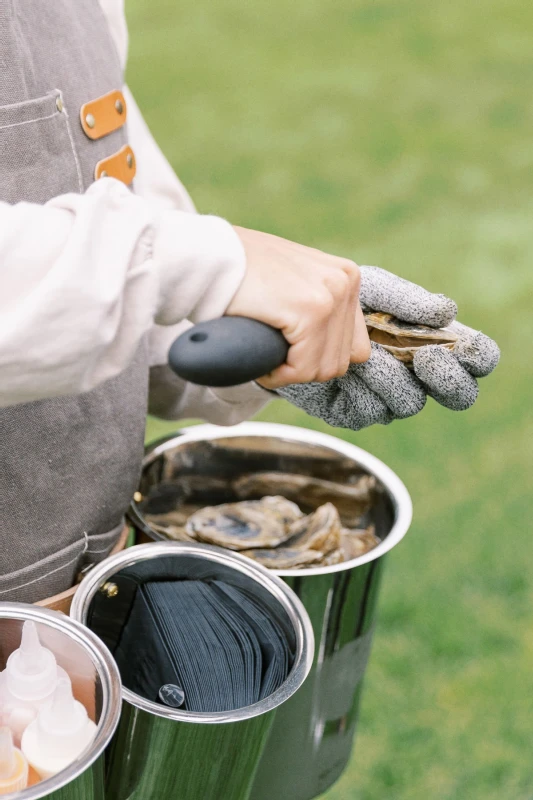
227,351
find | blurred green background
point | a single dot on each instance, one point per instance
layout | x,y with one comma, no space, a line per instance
399,134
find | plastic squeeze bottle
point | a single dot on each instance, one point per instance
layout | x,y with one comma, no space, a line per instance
59,734
28,682
13,765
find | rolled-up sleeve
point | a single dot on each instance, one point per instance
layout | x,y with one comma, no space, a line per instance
85,277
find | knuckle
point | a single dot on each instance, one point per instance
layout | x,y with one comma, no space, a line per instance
324,304
327,374
352,271
343,368
361,353
340,284
307,376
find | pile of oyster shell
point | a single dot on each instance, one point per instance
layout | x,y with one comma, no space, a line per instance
272,529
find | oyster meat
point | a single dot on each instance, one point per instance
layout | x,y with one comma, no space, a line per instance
355,543
320,530
402,338
351,500
284,557
239,526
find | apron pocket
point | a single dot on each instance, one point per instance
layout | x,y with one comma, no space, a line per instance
100,545
38,160
49,576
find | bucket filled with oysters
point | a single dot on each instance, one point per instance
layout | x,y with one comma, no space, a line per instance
274,528
317,511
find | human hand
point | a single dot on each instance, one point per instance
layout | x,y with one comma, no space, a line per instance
312,297
383,389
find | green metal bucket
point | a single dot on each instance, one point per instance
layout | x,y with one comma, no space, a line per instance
95,682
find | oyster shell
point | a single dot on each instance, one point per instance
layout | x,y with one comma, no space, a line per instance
237,526
355,543
169,493
320,530
402,339
172,524
178,516
284,557
287,511
335,557
351,500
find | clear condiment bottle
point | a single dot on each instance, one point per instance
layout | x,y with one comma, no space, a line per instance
13,765
28,682
59,734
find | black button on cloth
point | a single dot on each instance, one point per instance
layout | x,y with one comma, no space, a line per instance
210,639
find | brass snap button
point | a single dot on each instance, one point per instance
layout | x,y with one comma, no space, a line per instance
90,121
109,589
119,106
59,104
129,160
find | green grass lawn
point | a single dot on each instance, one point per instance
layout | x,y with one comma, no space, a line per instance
399,134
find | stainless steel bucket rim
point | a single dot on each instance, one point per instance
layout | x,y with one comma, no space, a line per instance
285,596
110,684
400,498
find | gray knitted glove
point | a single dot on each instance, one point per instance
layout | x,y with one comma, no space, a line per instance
383,388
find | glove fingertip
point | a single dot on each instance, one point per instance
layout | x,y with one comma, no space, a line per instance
411,404
446,380
460,402
442,313
480,355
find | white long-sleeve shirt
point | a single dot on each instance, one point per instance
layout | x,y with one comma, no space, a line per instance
69,322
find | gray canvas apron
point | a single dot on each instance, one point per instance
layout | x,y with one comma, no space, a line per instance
68,466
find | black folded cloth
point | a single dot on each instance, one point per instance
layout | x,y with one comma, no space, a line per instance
213,640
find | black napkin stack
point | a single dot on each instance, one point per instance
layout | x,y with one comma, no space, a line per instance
214,640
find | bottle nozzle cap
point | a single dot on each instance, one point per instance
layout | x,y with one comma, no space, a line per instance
30,650
31,671
8,763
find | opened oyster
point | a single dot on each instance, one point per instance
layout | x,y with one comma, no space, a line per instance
403,339
351,500
239,526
